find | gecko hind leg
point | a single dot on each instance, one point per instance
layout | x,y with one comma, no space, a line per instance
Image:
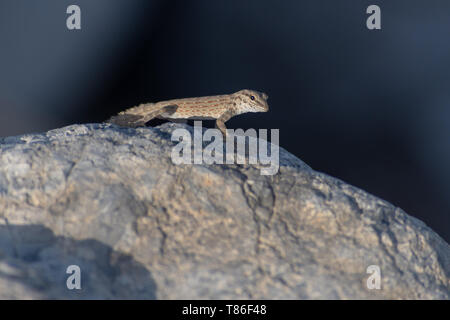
167,110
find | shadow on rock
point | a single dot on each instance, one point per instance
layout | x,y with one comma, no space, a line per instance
33,264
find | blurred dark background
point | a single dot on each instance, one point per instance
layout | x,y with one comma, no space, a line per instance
369,107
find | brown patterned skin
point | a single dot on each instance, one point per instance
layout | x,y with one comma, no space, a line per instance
220,108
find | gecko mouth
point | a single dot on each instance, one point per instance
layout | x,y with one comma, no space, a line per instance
261,107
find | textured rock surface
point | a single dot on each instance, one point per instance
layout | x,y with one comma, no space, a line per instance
110,200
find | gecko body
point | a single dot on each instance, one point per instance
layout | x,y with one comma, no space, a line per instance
220,108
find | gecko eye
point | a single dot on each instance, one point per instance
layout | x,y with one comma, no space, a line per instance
252,97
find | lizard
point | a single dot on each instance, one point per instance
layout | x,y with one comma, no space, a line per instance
219,107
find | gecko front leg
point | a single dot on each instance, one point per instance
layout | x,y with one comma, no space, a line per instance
220,122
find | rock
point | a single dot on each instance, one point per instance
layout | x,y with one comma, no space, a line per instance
110,201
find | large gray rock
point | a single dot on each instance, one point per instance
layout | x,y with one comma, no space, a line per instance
111,201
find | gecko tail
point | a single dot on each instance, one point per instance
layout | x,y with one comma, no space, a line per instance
134,120
127,120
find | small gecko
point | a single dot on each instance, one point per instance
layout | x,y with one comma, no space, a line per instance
220,108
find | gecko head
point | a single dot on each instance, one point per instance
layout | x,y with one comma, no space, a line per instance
252,101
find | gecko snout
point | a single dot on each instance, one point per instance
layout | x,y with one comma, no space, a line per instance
264,97
265,106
